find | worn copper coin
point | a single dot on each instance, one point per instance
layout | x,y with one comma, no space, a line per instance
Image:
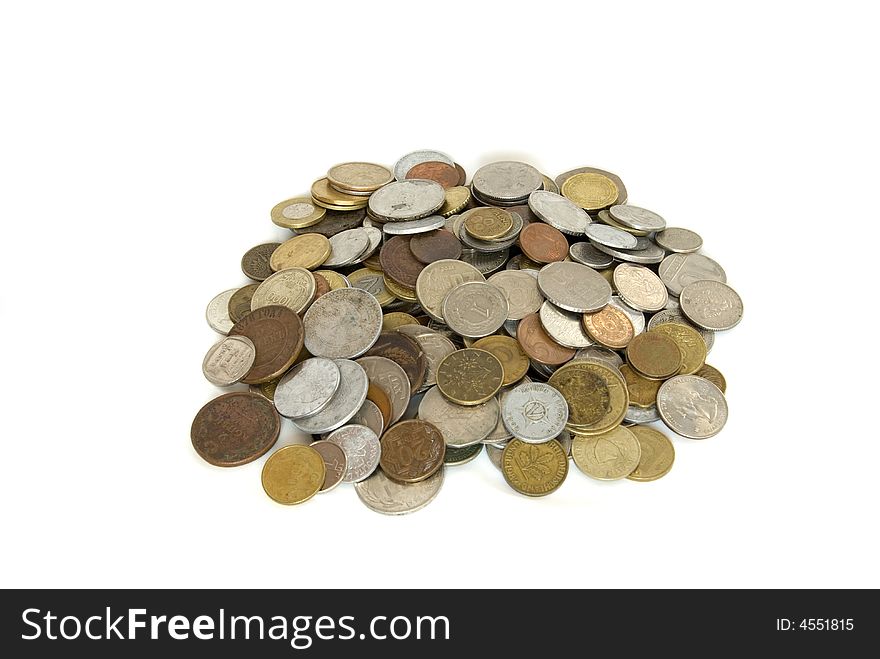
234,429
240,302
277,334
538,345
542,243
322,286
293,474
446,175
336,222
255,262
611,327
435,245
412,451
469,376
398,262
404,351
334,463
654,355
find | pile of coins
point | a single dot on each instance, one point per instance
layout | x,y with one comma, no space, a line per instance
411,320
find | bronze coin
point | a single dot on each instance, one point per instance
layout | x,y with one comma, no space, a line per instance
234,429
412,451
398,262
255,262
404,351
446,175
240,302
654,355
277,334
462,175
336,222
542,243
525,213
322,286
435,245
379,396
538,345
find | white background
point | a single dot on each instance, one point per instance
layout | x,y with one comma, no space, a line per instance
142,149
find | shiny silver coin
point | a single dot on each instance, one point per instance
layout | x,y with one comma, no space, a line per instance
392,379
229,360
604,234
307,388
600,353
346,247
362,451
621,188
507,181
407,200
485,262
574,287
411,227
678,240
458,456
588,255
374,235
460,425
711,305
347,400
344,323
651,254
642,415
564,327
383,495
435,346
475,309
639,287
410,160
217,313
692,406
559,212
534,412
679,270
675,316
637,218
521,291
636,317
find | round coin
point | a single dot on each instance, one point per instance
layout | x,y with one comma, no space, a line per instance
586,254
234,429
326,195
535,470
693,348
488,223
621,188
637,218
434,345
678,240
359,176
307,388
255,262
679,270
590,190
636,317
521,291
675,316
596,395
390,377
507,181
277,335
294,288
440,277
610,327
344,323
542,243
460,425
410,227
654,355
334,463
217,313
610,237
395,319
435,245
711,305
372,281
398,262
559,212
412,451
229,360
457,199
714,376
692,406
534,412
475,309
334,279
336,221
404,351
508,351
538,345
407,200
458,456
346,402
642,391
297,213
306,251
362,451
657,454
383,495
650,253
574,287
469,376
564,327
444,174
293,474
608,456
410,160
346,247
381,401
639,287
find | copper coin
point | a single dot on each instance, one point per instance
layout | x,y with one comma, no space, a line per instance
380,397
654,355
336,222
404,351
234,429
527,214
412,451
322,286
277,334
398,262
240,302
334,463
462,175
255,262
542,243
538,345
435,245
444,174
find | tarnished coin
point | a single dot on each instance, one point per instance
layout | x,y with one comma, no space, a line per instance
403,293
217,313
293,474
370,416
675,316
636,317
596,395
412,451
346,247
610,237
488,223
506,181
714,376
374,236
650,253
240,302
637,218
457,199
435,245
333,278
255,262
564,327
458,456
711,305
392,379
521,292
362,451
395,319
265,389
294,288
534,412
277,335
435,347
610,327
534,469
508,351
334,463
542,243
460,425
420,226
398,262
605,218
469,376
641,415
346,402
495,454
234,429
410,160
407,199
342,324
432,170
297,213
693,348
440,277
229,360
642,391
621,188
692,406
574,287
359,176
559,212
600,354
680,270
538,345
486,263
335,222
586,254
657,454
639,287
305,251
322,286
326,195
383,495
654,355
609,456
373,282
404,351
475,309
678,240
590,190
307,388
381,400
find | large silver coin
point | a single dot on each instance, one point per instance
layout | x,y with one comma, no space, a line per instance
392,379
433,344
574,287
346,402
362,451
651,254
675,316
586,254
711,305
678,240
410,160
621,188
383,495
535,412
460,425
342,324
559,212
217,313
485,262
521,290
440,277
475,309
407,200
637,218
601,354
639,287
679,270
346,247
293,288
229,360
636,317
564,327
410,227
307,388
604,234
692,406
507,181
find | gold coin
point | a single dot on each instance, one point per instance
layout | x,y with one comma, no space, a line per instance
605,218
610,327
395,319
297,213
359,176
267,389
714,376
608,273
525,263
293,474
404,293
488,223
306,251
596,395
642,391
334,279
508,351
457,198
590,191
334,207
657,456
325,194
654,355
373,263
690,342
609,456
469,376
373,282
535,470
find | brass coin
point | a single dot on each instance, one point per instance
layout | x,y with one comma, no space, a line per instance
334,279
373,282
488,223
543,244
324,194
234,429
293,288
610,327
657,454
395,319
379,396
590,191
403,351
654,355
534,469
359,176
714,376
412,451
306,251
469,376
608,456
642,391
293,474
689,341
538,345
508,351
277,333
457,199
240,302
267,389
297,213
596,395
402,292
255,262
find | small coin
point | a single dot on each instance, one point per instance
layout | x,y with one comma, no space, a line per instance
636,317
469,376
714,376
488,223
507,181
334,463
590,190
410,160
675,316
414,227
693,348
678,240
538,345
475,309
362,451
574,287
333,278
435,347
534,469
457,199
346,402
297,213
392,379
398,262
680,270
611,327
343,324
642,391
559,212
294,288
326,195
514,362
657,454
404,351
654,355
435,245
610,237
692,406
534,412
255,262
306,251
359,176
433,170
520,289
370,416
395,319
601,354
486,263
458,456
277,335
642,414
383,495
401,292
609,456
605,217
650,253
234,429
440,277
586,254
380,399
542,243
307,388
711,305
639,287
407,200
240,303
621,188
564,327
487,246
373,282
346,247
412,451
217,313
229,360
460,425
335,222
637,218
265,389
293,474
596,395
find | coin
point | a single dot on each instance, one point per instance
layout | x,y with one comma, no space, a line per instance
383,495
335,222
234,429
410,160
240,302
654,355
440,277
307,388
714,376
344,323
293,474
433,170
333,278
670,316
475,309
398,262
534,412
542,243
495,454
692,406
346,402
404,351
693,348
379,398
574,287
711,305
297,213
277,335
596,395
485,263
417,227
680,270
460,425
370,416
325,195
657,454
401,292
359,176
395,319
306,251
435,347
621,188
601,354
609,456
458,456
412,451
636,317
514,362
265,389
534,469
457,199
407,200
487,246
610,327
637,218
678,240
610,237
520,289
469,376
642,391
590,190
217,313
564,327
229,360
586,254
642,414
334,463
362,451
488,223
559,212
506,181
255,262
294,288
435,245
605,217
373,282
639,287
346,247
392,379
538,345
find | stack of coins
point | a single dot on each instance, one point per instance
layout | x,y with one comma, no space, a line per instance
411,320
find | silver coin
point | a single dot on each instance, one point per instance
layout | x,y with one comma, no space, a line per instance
642,415
374,235
217,313
307,388
651,254
293,288
600,353
637,218
692,406
383,495
564,327
500,433
574,287
346,246
370,223
507,180
475,309
675,316
342,324
535,412
586,254
520,289
334,463
229,360
711,305
410,160
407,200
510,327
485,262
604,234
410,227
559,212
639,287
346,402
637,318
495,453
370,416
678,240
488,201
565,440
458,456
621,188
392,379
673,304
362,451
438,278
679,270
460,425
433,344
